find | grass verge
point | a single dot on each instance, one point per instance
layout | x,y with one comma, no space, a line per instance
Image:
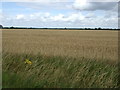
57,72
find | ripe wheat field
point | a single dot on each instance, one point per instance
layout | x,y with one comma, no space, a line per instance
60,58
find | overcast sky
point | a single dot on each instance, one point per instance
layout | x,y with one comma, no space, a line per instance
64,13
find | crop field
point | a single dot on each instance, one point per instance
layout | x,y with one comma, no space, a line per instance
59,58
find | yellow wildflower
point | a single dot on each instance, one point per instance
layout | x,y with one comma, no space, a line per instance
28,62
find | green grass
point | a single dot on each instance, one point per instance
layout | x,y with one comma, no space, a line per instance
57,72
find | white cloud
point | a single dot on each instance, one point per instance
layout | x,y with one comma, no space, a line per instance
61,20
48,17
67,18
21,16
81,4
75,16
59,17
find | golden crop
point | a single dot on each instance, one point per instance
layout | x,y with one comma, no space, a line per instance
71,43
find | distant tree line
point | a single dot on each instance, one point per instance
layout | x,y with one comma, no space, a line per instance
1,26
58,28
17,28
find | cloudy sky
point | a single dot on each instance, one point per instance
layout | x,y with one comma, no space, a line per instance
56,13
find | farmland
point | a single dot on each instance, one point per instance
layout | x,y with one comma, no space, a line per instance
60,58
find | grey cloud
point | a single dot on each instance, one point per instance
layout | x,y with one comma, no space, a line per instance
92,6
